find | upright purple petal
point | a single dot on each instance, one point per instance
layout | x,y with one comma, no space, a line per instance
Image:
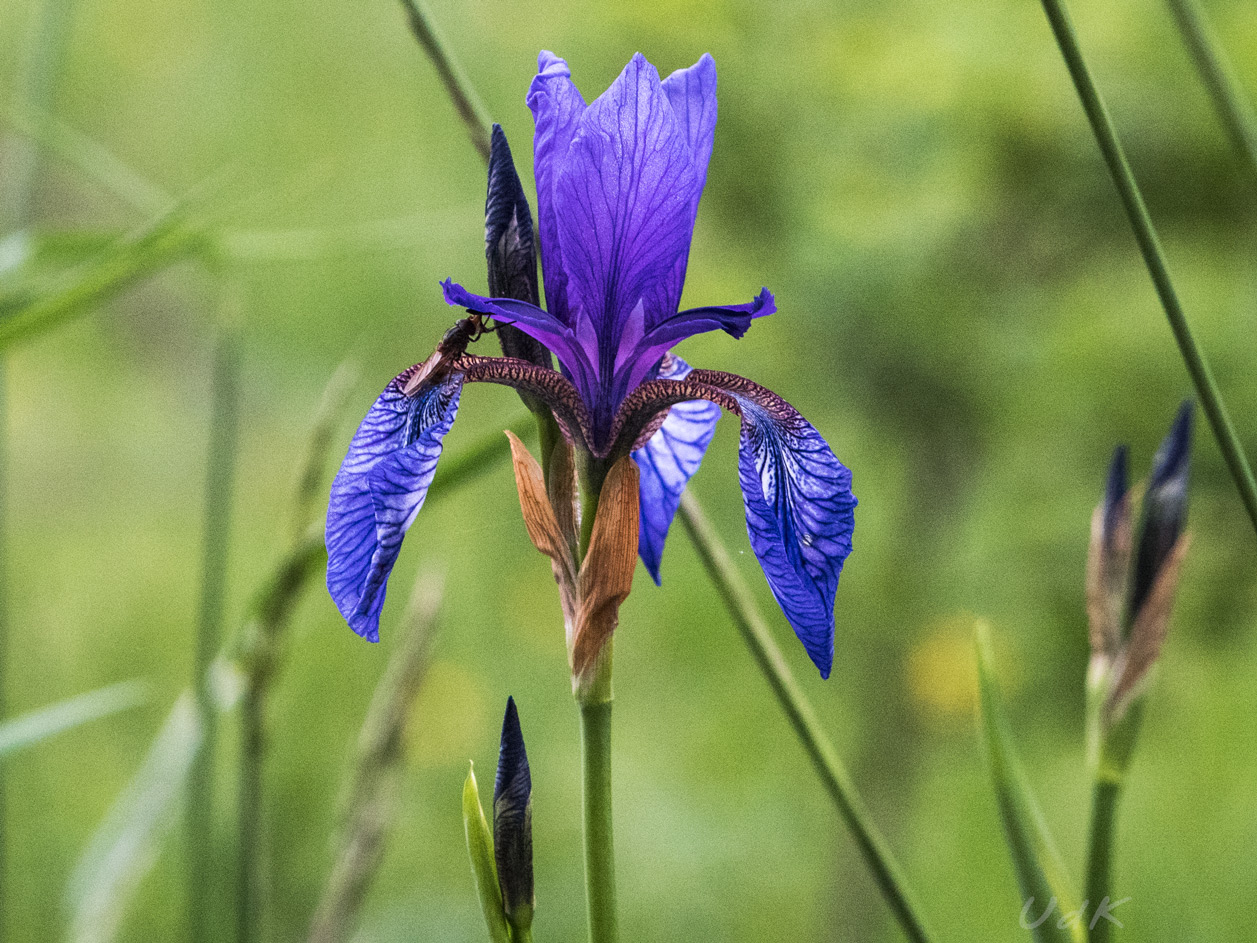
692,94
378,491
556,107
667,462
623,199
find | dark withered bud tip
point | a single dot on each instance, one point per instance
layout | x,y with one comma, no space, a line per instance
1165,505
512,821
1114,491
510,248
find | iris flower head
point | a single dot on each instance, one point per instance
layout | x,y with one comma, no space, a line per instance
618,186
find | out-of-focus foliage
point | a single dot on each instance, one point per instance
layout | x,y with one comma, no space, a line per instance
962,313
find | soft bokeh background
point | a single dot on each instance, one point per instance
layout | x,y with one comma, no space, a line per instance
962,313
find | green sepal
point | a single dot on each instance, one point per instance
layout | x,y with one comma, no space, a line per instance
1041,873
483,868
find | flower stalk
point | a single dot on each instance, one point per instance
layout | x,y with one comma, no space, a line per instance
1132,578
1233,108
220,472
741,604
1154,256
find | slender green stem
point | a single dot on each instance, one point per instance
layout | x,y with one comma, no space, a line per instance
1228,97
741,605
220,469
1154,257
37,86
249,889
1100,852
470,108
595,728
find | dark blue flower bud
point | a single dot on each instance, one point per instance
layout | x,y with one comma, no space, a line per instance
512,822
1165,507
510,248
1114,491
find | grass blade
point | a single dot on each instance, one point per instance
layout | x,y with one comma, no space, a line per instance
1232,106
1154,257
798,709
260,653
461,92
220,471
370,798
161,242
1041,873
39,725
125,845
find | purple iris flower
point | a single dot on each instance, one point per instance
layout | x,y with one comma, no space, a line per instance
618,187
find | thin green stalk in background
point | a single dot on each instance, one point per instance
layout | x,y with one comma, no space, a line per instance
1228,97
1040,871
260,652
1100,852
38,725
259,657
461,92
220,471
1154,257
37,85
369,803
741,605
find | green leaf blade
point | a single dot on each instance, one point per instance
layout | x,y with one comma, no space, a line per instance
1041,873
40,725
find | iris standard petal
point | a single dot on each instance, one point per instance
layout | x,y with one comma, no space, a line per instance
623,198
667,462
379,489
556,106
692,94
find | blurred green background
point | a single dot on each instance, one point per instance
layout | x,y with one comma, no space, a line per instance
962,313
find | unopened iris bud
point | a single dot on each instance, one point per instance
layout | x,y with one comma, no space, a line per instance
510,248
1108,564
1165,508
512,823
1129,605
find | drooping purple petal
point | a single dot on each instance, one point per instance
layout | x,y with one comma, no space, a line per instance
800,511
667,462
623,201
379,489
556,106
799,515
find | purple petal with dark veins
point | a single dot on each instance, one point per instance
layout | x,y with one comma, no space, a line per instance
800,511
692,94
378,491
667,462
556,106
623,199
